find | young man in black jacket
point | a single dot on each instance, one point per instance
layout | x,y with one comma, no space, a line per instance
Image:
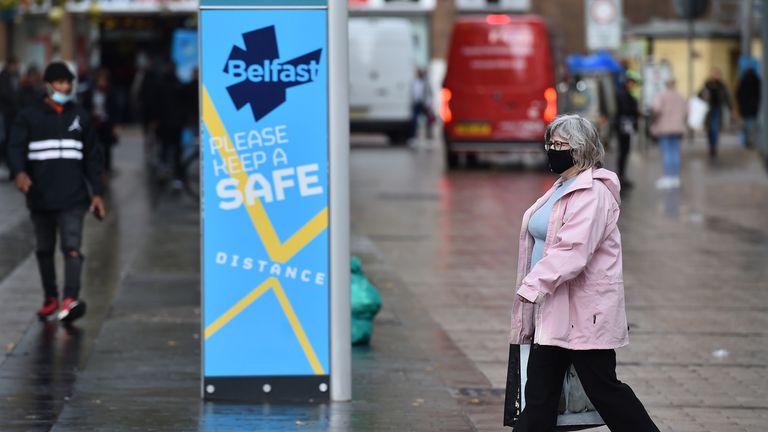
57,164
627,113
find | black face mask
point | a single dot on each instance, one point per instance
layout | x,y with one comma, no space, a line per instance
560,160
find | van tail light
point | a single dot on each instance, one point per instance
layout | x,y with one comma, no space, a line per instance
497,19
550,112
445,106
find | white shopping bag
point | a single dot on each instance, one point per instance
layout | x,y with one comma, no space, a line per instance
576,412
697,113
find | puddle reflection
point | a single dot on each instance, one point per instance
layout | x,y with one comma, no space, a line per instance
671,199
219,416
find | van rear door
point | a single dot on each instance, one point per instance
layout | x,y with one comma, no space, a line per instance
499,71
382,68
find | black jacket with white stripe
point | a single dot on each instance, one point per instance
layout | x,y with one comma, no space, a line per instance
58,151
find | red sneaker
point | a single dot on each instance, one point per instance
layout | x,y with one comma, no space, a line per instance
49,307
71,310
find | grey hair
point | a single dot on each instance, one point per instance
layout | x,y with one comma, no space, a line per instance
583,138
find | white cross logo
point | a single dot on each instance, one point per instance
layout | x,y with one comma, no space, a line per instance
75,126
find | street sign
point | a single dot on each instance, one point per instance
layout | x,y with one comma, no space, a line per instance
270,140
603,24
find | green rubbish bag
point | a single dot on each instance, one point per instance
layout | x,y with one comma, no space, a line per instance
365,301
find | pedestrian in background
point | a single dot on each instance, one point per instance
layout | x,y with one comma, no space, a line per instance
716,94
172,117
668,125
57,165
101,102
748,99
145,91
32,87
627,113
570,279
10,85
421,98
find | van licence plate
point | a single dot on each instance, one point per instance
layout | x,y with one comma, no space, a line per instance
358,112
474,129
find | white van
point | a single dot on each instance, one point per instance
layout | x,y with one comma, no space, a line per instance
382,66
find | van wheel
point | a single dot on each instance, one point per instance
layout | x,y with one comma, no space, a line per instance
397,138
451,159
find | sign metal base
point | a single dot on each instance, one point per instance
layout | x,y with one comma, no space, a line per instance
263,389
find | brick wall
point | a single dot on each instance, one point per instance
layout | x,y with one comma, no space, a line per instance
564,17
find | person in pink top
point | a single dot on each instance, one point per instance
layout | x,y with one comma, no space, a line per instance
669,125
570,288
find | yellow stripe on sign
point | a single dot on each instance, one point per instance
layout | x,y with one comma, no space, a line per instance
239,307
298,330
290,314
278,252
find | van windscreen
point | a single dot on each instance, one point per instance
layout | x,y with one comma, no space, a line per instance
501,55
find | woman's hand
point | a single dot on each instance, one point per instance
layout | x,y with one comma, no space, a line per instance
524,300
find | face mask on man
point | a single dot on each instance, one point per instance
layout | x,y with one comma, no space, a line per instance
59,97
560,160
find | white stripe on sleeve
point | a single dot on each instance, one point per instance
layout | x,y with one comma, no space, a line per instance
55,144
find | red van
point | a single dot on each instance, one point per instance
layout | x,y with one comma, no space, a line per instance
498,94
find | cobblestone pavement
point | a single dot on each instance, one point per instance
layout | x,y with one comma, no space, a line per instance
694,264
133,362
441,248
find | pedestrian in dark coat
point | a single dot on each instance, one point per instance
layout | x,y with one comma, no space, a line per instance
748,99
10,84
32,88
56,163
716,94
625,125
101,102
171,119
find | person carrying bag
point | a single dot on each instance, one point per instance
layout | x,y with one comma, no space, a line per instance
575,411
569,308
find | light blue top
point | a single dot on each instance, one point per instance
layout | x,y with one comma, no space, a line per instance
539,222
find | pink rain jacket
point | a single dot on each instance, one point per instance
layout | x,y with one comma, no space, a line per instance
578,281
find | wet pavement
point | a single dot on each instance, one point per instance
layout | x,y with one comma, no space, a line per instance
441,248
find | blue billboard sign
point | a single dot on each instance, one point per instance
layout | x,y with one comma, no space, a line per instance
264,152
185,54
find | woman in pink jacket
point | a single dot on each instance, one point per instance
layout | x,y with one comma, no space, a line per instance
570,297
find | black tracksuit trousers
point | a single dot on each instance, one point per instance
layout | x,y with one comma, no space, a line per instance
614,400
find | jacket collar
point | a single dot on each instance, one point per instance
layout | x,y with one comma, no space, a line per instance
47,105
583,181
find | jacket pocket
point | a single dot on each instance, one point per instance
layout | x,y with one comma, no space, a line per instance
597,312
